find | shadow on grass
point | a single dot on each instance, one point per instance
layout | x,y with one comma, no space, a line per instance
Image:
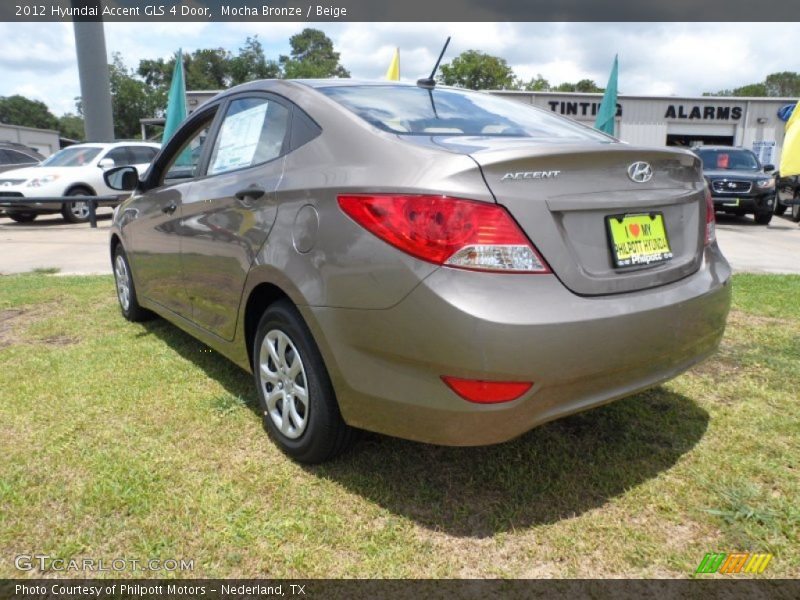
557,471
236,382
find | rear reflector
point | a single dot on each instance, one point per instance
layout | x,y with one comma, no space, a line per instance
447,231
711,227
487,392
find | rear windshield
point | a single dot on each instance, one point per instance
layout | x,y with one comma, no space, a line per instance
729,159
411,110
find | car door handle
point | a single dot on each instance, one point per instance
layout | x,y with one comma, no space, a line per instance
254,192
169,208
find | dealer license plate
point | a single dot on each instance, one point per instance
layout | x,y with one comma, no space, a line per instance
639,239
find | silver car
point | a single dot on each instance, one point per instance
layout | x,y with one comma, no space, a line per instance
436,264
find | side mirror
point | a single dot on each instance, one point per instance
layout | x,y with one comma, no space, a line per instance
123,179
106,164
769,167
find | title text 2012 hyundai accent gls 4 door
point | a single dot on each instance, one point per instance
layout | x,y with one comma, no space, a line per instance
435,264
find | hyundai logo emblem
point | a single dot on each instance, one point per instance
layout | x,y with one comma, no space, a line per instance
640,172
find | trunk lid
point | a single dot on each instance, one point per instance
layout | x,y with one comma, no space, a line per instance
561,194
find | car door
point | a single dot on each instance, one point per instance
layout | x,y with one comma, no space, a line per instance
154,231
6,162
229,213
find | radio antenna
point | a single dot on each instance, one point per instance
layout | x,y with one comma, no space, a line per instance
430,82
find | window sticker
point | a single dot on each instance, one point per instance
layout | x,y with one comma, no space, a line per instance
238,139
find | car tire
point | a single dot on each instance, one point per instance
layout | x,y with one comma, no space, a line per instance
763,217
76,212
796,213
780,207
23,217
288,368
126,290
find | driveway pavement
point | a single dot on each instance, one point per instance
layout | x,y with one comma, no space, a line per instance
758,249
78,249
49,242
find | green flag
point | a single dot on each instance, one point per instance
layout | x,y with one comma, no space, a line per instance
608,107
176,103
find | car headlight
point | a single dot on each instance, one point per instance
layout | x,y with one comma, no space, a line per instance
40,181
766,183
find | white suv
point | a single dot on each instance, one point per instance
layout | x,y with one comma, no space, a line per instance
74,171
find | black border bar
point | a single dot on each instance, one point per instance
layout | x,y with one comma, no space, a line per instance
718,587
401,10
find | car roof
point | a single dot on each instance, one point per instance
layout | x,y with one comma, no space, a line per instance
317,83
276,85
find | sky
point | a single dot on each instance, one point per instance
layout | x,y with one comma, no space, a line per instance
37,60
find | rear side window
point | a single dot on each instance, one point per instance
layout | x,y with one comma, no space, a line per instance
253,132
141,154
411,110
120,156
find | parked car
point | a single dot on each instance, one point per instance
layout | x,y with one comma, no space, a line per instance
787,196
436,264
739,183
74,171
14,156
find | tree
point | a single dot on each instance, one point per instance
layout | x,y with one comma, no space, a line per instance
477,70
204,69
251,64
71,126
584,85
19,110
131,99
539,84
312,57
783,84
752,89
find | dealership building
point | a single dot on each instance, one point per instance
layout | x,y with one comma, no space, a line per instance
661,120
678,121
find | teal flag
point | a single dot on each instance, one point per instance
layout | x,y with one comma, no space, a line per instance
608,107
176,103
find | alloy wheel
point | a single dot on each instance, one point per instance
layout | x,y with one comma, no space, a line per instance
283,378
123,282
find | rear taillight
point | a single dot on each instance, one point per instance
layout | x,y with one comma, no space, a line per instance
487,392
447,231
711,228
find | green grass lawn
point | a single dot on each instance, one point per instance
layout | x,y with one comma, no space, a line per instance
136,441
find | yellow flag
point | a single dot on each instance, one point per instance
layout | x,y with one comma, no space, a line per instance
790,154
393,73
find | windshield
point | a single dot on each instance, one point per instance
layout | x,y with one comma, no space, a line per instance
71,157
728,159
411,110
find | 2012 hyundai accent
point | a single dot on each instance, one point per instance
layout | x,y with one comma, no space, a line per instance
430,263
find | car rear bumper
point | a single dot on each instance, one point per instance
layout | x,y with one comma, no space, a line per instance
580,352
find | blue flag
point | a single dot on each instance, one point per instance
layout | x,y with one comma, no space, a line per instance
176,102
608,107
